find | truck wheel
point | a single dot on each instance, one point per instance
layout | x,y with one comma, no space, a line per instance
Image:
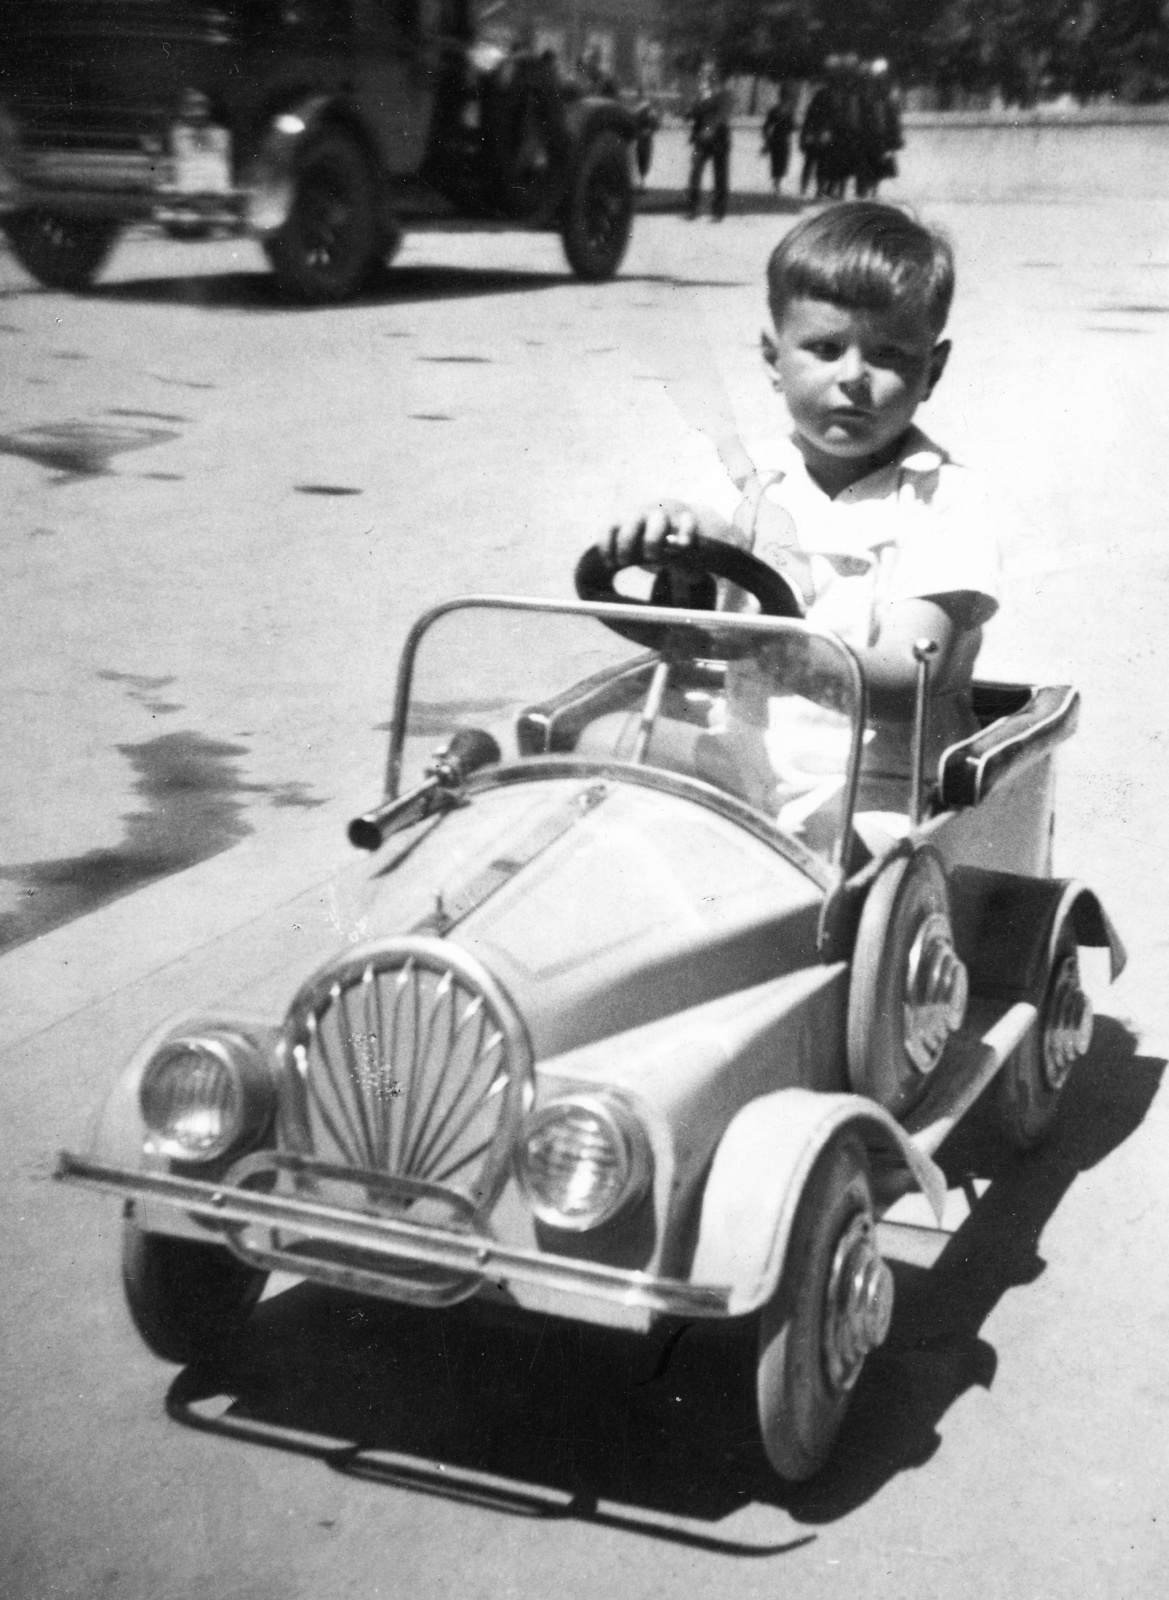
188,1300
1029,1086
330,245
60,251
599,217
833,1304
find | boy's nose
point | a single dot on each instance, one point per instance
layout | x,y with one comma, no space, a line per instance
852,368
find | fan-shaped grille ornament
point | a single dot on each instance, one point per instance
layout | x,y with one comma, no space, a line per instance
410,1062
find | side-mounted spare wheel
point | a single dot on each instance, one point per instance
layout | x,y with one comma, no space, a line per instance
332,242
188,1300
60,251
599,209
832,1306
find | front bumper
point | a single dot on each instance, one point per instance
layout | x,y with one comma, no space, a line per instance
131,185
380,1245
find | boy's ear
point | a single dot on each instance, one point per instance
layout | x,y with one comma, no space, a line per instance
770,353
939,355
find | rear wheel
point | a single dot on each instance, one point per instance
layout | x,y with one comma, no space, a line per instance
188,1300
60,251
1029,1086
330,245
833,1304
599,217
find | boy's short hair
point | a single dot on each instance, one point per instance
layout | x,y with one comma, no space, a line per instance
866,256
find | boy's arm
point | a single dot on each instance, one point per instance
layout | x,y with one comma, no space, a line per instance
889,665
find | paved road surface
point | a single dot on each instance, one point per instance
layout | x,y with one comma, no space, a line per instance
220,516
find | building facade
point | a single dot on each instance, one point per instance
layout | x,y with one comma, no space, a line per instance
624,38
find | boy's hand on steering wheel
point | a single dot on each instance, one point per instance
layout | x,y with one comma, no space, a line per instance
643,540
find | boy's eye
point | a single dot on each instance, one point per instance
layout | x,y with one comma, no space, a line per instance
825,349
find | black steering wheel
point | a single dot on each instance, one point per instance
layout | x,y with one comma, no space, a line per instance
684,576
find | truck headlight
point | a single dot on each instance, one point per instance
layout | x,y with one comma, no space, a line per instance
580,1160
205,1094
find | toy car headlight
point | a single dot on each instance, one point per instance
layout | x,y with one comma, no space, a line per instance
203,1095
580,1160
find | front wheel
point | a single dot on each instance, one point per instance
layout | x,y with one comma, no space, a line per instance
60,251
188,1300
832,1306
599,215
330,245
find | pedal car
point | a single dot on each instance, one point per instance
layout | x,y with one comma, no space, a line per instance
649,1018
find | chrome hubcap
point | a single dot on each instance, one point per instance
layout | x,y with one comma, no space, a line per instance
859,1303
1067,1031
936,992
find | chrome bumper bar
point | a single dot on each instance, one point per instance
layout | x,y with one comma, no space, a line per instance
481,1258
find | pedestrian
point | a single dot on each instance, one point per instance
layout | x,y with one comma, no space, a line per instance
777,137
881,136
710,140
816,133
649,120
840,156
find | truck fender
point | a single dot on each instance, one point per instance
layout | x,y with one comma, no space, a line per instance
1006,927
588,116
758,1175
269,178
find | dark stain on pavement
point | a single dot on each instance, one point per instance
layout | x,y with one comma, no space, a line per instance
179,383
79,449
1099,327
144,690
193,807
1157,310
69,355
429,416
457,361
149,416
325,488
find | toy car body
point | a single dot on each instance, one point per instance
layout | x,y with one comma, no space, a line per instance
322,129
648,1016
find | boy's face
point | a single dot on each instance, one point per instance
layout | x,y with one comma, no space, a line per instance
852,381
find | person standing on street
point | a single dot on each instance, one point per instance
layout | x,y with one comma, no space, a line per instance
710,140
880,130
649,120
777,137
816,134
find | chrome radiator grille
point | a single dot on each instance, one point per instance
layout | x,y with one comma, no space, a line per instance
410,1062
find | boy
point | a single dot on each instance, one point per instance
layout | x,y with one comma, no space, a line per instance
869,519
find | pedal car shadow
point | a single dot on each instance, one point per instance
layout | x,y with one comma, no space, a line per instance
259,291
559,1419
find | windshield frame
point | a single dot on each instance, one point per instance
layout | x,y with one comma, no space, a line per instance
606,612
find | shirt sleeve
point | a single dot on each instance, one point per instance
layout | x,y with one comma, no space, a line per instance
948,547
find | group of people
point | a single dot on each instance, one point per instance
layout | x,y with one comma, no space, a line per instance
851,130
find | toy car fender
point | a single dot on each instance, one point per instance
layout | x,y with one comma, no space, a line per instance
1006,926
758,1176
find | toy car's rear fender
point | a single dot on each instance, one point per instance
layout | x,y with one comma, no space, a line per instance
758,1176
1006,927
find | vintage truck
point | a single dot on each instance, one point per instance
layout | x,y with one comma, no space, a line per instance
323,128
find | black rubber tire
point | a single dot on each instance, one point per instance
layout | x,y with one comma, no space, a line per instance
1025,1101
187,1300
907,890
60,251
599,211
799,1412
331,244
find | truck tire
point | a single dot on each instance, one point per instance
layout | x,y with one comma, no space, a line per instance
599,213
60,251
331,244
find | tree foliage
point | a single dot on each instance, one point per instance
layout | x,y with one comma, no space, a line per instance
1020,49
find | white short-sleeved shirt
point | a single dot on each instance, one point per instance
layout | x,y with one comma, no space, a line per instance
915,529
